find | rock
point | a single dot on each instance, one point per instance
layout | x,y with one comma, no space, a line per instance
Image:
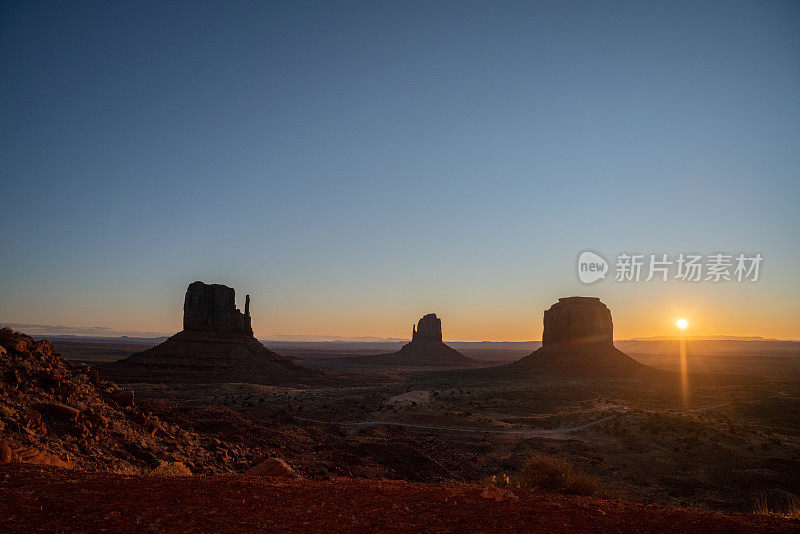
273,468
13,378
498,494
5,453
215,345
19,345
428,328
212,308
98,435
98,421
152,427
80,430
425,349
59,411
123,397
49,378
94,378
577,340
38,457
44,347
31,418
141,453
579,324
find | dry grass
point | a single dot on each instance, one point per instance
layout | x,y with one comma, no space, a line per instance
549,473
777,503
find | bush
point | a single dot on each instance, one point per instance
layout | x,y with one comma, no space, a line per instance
172,469
549,473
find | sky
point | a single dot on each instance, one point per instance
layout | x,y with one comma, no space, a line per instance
355,165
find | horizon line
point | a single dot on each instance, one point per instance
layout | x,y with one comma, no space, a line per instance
103,332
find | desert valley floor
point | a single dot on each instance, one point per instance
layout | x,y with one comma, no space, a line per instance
363,432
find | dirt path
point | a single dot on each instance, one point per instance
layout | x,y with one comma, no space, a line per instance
563,433
551,433
40,499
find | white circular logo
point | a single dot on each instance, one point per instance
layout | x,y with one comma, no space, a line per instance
591,267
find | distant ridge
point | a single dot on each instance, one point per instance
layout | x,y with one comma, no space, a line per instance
706,338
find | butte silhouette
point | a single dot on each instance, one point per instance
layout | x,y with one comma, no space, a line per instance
426,349
578,339
216,344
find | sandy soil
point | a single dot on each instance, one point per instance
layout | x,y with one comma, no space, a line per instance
48,499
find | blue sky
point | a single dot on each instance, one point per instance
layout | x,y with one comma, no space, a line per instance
355,165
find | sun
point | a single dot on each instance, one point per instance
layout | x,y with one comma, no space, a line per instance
681,323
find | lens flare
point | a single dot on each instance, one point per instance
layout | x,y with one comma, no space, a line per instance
682,324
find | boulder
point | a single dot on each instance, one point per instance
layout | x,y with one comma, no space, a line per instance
59,411
34,456
44,347
50,378
5,453
19,345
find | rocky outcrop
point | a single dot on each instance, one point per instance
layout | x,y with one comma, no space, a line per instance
429,328
579,324
426,349
215,345
80,420
212,308
577,339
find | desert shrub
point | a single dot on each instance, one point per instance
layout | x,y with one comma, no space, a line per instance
549,473
172,469
777,503
126,469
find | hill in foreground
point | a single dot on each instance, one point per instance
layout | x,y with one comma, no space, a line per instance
56,412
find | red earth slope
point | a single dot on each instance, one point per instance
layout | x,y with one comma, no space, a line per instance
51,499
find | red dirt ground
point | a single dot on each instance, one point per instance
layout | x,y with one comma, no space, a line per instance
49,499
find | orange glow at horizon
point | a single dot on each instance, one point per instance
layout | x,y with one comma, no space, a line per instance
516,318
